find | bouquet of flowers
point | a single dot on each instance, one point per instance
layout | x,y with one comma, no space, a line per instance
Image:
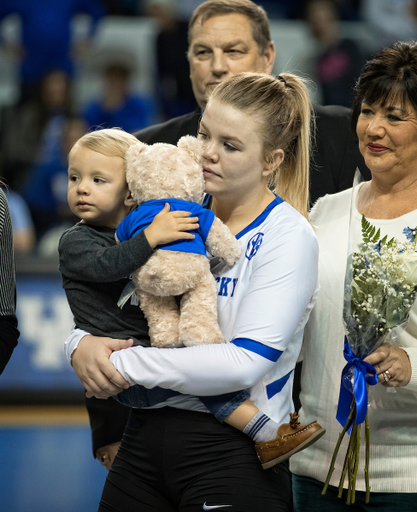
380,288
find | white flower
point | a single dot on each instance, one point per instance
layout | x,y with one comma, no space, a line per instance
410,267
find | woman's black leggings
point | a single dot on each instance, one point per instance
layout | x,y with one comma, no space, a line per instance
173,460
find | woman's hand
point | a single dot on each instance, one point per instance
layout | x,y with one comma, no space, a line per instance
90,361
392,362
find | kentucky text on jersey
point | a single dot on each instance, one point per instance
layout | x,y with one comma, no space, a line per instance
227,286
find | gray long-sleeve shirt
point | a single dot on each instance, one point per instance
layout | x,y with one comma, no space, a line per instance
95,270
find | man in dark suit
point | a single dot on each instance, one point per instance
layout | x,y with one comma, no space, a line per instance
335,154
226,38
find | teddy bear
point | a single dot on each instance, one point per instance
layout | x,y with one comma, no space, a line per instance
163,173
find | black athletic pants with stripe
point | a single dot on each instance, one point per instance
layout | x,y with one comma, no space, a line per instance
173,460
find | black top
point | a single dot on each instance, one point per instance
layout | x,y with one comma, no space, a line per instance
336,155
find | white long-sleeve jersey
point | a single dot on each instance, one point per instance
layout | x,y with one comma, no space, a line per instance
263,304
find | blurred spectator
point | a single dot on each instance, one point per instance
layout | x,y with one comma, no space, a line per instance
117,105
46,37
45,190
391,20
338,61
31,132
123,7
22,225
173,85
349,10
184,8
280,9
56,96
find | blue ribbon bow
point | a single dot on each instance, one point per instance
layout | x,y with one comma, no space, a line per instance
364,373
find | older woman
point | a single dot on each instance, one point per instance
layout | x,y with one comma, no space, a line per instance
385,115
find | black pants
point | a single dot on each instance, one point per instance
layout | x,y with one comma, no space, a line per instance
174,460
108,421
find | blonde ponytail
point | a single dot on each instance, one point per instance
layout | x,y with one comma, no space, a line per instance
292,177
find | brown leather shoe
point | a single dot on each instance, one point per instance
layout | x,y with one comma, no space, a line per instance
291,438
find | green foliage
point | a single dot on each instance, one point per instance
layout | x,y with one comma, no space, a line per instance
371,235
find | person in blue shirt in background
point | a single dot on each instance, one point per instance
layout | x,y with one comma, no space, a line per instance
46,37
117,105
45,188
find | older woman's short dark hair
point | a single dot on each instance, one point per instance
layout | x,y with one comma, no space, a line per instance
391,76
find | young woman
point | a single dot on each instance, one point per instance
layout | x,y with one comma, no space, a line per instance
256,132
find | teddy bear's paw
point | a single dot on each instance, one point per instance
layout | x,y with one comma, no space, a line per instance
214,336
229,254
164,335
164,344
232,254
193,343
165,340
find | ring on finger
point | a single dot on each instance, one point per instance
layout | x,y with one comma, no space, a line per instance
386,375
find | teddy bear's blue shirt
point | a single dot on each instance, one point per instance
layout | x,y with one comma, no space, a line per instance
144,214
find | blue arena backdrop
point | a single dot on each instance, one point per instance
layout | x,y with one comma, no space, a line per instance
38,363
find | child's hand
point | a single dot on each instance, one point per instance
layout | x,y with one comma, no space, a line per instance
170,226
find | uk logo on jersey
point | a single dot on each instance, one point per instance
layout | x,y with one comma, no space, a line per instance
253,245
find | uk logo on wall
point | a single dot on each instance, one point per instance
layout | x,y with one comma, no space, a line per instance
45,320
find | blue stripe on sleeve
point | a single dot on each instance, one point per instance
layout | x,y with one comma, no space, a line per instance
276,386
259,348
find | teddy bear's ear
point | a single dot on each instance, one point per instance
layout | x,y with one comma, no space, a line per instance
133,152
132,167
193,146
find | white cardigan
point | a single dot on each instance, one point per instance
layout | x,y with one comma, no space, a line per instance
392,416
